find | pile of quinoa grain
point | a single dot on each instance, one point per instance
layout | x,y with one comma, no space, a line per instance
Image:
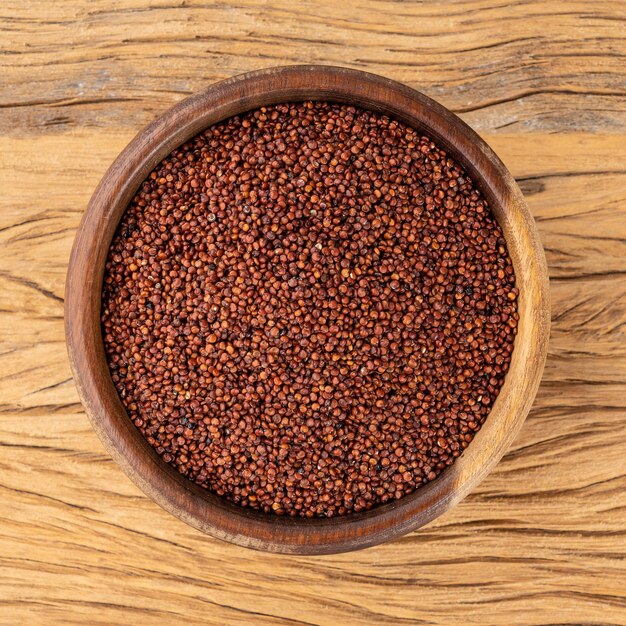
309,309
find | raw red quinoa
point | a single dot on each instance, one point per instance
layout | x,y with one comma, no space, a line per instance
309,309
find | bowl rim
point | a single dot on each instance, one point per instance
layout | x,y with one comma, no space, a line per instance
190,502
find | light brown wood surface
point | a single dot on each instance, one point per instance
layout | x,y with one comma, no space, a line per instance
542,540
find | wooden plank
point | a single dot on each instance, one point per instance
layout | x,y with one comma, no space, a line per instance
542,540
525,65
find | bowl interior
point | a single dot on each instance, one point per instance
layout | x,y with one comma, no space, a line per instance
165,485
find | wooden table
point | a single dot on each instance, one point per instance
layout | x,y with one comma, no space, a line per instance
543,539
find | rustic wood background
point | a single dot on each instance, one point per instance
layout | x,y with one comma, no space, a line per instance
543,540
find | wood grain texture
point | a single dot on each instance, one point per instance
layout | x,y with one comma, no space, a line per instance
542,540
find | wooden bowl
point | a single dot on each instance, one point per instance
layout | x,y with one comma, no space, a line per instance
138,459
